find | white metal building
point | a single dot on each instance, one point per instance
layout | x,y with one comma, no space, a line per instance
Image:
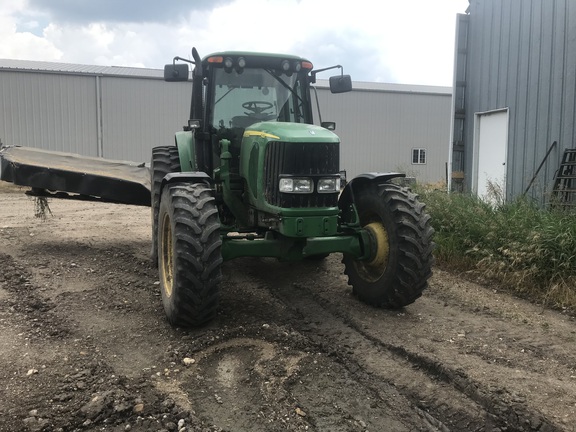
392,127
111,112
121,113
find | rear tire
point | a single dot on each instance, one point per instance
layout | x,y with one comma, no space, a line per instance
165,160
397,272
190,256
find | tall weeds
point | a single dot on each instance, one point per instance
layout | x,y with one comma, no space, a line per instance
525,248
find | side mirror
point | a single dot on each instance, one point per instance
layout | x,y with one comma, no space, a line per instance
176,72
340,83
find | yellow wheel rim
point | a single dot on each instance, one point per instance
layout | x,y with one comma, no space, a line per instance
373,269
382,246
166,256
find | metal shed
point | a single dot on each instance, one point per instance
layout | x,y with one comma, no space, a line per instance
121,113
110,112
392,127
514,95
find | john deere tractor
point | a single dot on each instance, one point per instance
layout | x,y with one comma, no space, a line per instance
251,175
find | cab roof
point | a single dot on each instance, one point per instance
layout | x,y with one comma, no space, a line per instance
275,56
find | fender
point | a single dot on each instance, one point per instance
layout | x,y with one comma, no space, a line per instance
360,181
186,177
186,150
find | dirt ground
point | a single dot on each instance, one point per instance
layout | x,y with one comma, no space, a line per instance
84,345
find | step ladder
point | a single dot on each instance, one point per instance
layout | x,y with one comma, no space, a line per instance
564,190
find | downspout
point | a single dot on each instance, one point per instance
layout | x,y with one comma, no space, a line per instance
99,140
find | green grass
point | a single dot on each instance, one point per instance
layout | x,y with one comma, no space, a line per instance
527,249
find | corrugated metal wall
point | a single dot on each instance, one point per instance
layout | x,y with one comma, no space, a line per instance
140,114
92,115
123,117
380,128
457,155
49,111
521,55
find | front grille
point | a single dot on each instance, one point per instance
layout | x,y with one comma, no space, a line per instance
300,159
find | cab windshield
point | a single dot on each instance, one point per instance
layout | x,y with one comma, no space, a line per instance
255,95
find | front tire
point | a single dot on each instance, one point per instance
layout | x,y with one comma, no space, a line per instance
190,256
165,160
401,259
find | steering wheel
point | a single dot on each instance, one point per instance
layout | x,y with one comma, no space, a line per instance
256,107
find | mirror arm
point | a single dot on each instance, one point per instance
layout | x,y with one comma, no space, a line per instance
197,61
314,72
181,59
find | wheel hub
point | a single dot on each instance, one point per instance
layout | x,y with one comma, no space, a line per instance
380,245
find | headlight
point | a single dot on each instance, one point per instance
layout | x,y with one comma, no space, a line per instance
329,185
296,185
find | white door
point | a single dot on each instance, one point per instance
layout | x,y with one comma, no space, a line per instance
490,149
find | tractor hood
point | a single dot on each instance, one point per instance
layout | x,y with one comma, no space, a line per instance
292,132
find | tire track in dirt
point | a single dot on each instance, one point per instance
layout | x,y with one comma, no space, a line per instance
73,381
365,357
547,336
279,378
289,350
110,296
449,394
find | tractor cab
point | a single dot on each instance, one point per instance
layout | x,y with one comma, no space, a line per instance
240,96
243,89
232,91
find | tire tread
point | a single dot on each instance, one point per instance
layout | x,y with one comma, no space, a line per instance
197,256
165,160
414,246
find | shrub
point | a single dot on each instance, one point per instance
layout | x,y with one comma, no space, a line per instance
527,249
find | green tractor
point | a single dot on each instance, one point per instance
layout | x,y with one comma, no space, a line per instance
251,175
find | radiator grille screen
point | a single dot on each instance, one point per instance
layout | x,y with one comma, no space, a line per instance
301,159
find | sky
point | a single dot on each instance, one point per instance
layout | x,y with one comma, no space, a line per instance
390,41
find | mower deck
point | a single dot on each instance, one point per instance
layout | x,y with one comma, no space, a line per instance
110,180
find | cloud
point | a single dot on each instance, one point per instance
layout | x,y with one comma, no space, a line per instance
36,48
123,11
316,29
355,51
18,44
134,45
407,42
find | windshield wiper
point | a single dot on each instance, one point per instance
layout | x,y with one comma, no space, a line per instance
286,86
224,95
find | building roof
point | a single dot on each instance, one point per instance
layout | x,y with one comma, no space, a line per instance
79,69
401,88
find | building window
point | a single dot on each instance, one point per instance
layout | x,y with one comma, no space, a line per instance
418,156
